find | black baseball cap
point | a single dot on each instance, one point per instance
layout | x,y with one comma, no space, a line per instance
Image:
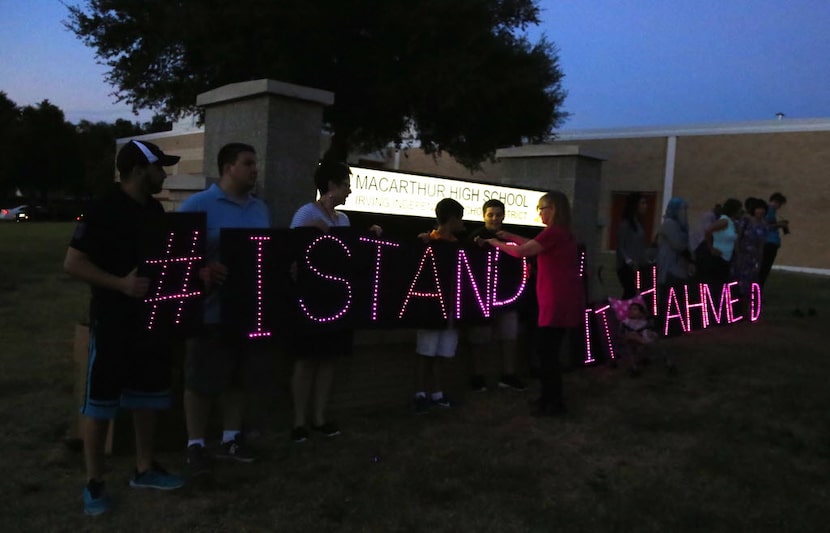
142,153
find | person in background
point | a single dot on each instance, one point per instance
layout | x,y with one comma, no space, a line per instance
673,257
128,367
220,364
559,291
503,327
749,246
434,346
773,241
632,243
316,355
720,239
697,239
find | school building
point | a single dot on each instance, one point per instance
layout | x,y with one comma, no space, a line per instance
702,163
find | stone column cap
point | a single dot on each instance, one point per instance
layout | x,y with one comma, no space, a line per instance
248,89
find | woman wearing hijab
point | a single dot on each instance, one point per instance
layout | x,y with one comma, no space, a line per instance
673,257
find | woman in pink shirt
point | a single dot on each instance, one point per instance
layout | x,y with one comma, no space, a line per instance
559,291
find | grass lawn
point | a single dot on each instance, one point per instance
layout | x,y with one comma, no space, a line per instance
738,440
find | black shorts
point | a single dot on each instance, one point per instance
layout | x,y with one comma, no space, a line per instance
330,344
127,368
218,360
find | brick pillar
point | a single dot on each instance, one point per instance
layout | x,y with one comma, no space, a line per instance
283,122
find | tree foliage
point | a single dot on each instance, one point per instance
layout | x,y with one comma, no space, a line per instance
43,156
460,74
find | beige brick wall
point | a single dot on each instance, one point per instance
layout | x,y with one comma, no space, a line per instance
708,169
711,168
630,165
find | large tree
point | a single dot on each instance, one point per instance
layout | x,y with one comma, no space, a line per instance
48,155
459,74
9,125
97,141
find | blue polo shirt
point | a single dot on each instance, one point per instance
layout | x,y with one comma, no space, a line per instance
223,212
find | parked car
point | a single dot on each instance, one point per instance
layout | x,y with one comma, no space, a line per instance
15,214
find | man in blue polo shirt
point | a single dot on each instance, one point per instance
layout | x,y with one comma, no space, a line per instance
219,362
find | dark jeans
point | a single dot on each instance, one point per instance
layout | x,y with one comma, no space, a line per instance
628,280
549,343
770,251
713,271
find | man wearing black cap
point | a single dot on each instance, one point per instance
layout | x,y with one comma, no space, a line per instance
127,367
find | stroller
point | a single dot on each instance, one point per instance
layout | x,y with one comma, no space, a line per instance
632,335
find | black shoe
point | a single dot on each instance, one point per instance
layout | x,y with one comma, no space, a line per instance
420,405
198,461
512,382
299,434
237,450
329,429
477,384
443,402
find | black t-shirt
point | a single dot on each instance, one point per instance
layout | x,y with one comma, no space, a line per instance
482,233
111,236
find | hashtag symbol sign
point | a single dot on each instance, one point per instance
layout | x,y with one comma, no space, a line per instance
158,297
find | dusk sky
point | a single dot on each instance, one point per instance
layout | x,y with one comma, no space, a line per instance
626,62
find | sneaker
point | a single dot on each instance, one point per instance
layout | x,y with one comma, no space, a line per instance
512,382
198,461
477,384
329,429
443,402
237,450
299,434
96,501
420,405
156,478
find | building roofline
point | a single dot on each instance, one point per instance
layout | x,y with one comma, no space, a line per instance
160,135
786,125
545,150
